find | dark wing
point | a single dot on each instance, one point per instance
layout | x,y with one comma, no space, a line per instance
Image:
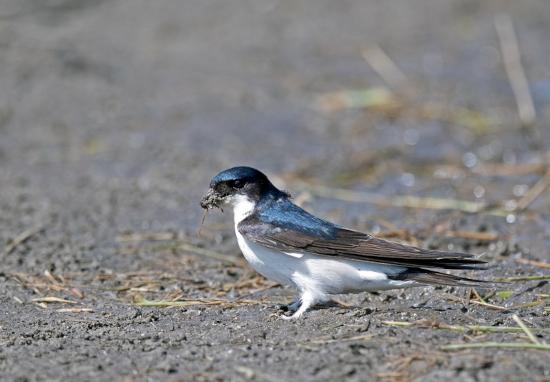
348,244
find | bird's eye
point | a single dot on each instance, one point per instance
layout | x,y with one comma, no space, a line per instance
238,184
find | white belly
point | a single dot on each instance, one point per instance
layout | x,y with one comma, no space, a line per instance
271,264
317,273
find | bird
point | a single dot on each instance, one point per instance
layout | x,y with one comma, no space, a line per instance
290,246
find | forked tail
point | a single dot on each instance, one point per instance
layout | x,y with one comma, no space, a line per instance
429,277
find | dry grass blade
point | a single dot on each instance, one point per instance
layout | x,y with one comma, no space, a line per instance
180,244
460,328
75,310
312,343
249,284
534,192
20,239
45,284
490,306
524,327
523,278
52,299
325,340
534,263
531,304
205,212
164,303
514,69
475,302
378,98
507,169
472,235
500,345
208,253
385,67
478,296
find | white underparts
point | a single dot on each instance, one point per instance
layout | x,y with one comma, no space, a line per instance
316,277
242,207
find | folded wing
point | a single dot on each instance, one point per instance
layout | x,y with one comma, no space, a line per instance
344,243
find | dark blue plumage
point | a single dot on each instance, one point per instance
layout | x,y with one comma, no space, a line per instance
281,212
237,173
288,244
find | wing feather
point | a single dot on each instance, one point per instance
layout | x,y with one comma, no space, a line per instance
349,244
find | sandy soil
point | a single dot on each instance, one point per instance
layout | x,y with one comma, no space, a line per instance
115,114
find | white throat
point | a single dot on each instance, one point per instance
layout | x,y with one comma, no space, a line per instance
242,207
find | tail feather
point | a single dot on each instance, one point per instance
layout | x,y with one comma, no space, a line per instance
429,277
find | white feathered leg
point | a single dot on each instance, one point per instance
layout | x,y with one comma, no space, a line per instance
307,301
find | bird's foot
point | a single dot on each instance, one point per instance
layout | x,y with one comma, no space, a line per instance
299,307
292,307
294,316
287,318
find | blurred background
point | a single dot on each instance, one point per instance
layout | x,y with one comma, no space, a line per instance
423,121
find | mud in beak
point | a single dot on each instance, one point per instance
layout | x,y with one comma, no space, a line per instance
211,200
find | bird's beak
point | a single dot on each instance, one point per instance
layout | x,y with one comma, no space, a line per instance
211,200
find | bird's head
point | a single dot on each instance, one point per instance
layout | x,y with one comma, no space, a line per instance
238,185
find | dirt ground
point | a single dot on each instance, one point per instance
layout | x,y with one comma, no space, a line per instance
114,115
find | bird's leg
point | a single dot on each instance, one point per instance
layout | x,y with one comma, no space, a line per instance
293,306
307,300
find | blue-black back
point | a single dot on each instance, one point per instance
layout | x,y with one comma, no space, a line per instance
281,212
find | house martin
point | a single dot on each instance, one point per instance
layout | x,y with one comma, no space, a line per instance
287,244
